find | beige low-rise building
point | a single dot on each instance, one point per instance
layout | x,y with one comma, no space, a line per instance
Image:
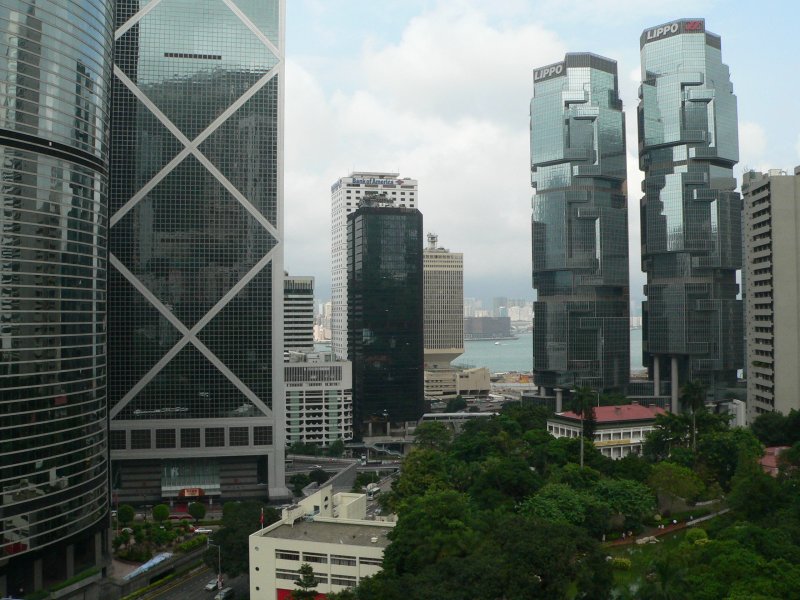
328,531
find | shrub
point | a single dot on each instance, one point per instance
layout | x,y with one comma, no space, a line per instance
160,512
696,535
192,544
623,564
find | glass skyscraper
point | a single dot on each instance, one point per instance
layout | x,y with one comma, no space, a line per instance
55,69
196,283
385,330
690,213
579,226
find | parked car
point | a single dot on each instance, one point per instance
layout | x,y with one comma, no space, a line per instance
224,594
211,585
204,530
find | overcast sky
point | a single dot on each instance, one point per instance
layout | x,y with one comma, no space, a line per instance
440,91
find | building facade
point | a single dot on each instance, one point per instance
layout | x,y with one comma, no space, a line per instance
772,246
298,314
328,531
443,274
690,213
579,226
196,225
385,312
319,399
56,72
345,196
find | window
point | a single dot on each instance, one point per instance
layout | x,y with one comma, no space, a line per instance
240,436
117,440
287,574
165,438
262,436
313,557
215,437
377,562
338,559
140,439
287,554
344,580
190,438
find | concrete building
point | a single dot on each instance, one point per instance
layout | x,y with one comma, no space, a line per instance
446,384
319,398
196,236
772,272
54,133
298,314
444,304
346,193
487,328
690,211
620,430
579,226
328,531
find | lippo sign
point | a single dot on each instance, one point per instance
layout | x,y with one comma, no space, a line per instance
670,29
548,72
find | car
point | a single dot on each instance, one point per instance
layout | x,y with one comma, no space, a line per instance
204,530
316,466
224,594
211,585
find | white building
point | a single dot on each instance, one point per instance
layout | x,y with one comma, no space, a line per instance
446,384
443,285
319,398
771,225
619,430
328,531
345,195
298,314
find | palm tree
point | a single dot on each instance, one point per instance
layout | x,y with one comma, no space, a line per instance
693,397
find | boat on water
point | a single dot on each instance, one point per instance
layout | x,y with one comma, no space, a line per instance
497,343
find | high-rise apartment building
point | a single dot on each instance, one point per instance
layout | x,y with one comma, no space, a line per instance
385,311
690,213
298,314
580,226
345,195
196,284
55,68
444,304
772,247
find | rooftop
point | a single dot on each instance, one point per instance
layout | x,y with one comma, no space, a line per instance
326,532
615,414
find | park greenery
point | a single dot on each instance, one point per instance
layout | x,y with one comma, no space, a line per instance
140,541
503,510
239,520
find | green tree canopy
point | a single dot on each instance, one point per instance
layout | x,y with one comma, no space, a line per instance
307,584
671,481
456,404
160,513
239,520
126,514
197,510
433,435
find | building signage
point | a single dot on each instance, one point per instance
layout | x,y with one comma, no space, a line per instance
376,181
670,29
548,72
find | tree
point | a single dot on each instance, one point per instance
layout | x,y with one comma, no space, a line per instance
335,449
456,404
433,435
239,520
306,583
583,406
770,428
754,493
626,497
693,398
298,481
319,476
125,514
670,481
720,452
160,513
197,510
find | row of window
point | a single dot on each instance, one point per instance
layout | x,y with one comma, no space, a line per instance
141,439
335,559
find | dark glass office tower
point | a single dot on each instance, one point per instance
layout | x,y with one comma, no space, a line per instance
197,265
690,213
580,226
55,68
385,323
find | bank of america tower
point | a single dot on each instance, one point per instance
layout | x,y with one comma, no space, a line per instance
196,250
690,213
580,226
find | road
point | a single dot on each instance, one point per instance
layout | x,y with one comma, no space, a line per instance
191,587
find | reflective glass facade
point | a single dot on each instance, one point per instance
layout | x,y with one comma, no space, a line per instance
55,69
196,220
579,226
690,213
385,313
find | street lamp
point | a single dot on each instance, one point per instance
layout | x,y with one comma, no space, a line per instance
219,562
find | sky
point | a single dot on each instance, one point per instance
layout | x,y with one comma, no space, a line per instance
439,91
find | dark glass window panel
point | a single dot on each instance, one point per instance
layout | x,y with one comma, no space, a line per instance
190,438
215,437
239,436
262,436
140,439
118,440
165,438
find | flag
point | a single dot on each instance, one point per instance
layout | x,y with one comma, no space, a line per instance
262,517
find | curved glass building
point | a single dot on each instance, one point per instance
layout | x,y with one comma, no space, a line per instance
580,226
55,69
690,213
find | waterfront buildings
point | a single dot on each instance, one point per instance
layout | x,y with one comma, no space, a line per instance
447,384
196,278
772,246
319,398
346,193
487,328
298,314
56,74
328,531
690,213
619,430
580,226
444,304
385,311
